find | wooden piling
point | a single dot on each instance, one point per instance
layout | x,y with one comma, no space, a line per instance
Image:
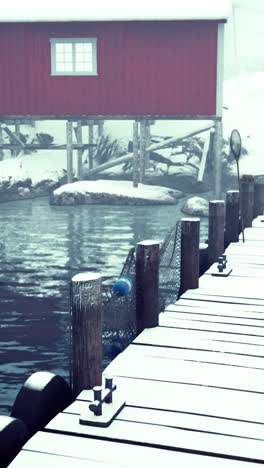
135,155
147,285
142,150
90,141
17,133
86,331
69,151
190,235
1,142
216,228
232,223
100,128
247,199
79,151
218,146
258,197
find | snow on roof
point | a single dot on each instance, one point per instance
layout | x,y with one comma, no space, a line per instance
114,10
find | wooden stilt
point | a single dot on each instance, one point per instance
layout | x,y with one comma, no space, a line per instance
147,285
147,143
86,328
100,128
79,151
216,230
1,142
135,155
91,140
17,133
190,239
232,217
142,148
218,146
69,151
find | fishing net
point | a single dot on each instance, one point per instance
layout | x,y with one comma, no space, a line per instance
119,313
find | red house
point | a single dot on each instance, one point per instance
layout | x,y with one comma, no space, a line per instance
114,61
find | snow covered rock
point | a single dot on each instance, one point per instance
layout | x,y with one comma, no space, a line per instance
113,193
196,206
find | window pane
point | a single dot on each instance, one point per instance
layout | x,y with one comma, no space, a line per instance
79,66
59,57
68,57
68,67
59,48
87,47
67,47
79,47
60,67
79,57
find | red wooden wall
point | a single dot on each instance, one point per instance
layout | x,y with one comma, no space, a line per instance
144,68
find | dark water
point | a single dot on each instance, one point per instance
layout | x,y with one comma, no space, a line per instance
41,248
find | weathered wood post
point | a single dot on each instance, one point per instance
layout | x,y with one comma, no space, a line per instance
232,222
142,150
86,331
190,236
247,199
218,146
135,155
216,229
17,133
147,142
147,285
69,151
80,150
258,196
1,142
90,141
100,128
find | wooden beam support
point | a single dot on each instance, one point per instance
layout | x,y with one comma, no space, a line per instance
218,147
135,155
232,223
69,152
190,240
216,228
258,197
79,151
90,140
247,199
1,142
86,331
165,143
147,285
142,150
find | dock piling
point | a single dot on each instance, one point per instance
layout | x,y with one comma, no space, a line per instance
247,199
216,230
258,197
190,235
232,224
147,285
86,331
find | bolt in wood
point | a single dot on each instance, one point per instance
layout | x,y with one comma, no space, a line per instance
190,236
86,331
216,230
232,224
147,285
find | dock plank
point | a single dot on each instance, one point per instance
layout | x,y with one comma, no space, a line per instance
137,456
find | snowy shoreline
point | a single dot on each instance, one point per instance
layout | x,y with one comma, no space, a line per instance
113,192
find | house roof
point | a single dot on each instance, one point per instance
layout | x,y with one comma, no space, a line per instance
114,10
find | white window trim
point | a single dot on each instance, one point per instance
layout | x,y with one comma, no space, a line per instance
73,40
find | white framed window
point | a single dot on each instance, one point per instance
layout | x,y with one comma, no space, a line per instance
73,56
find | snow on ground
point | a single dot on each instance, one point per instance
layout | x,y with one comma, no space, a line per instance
122,189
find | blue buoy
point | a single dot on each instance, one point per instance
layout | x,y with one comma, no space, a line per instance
123,286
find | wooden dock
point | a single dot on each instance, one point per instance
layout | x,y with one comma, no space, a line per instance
194,385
